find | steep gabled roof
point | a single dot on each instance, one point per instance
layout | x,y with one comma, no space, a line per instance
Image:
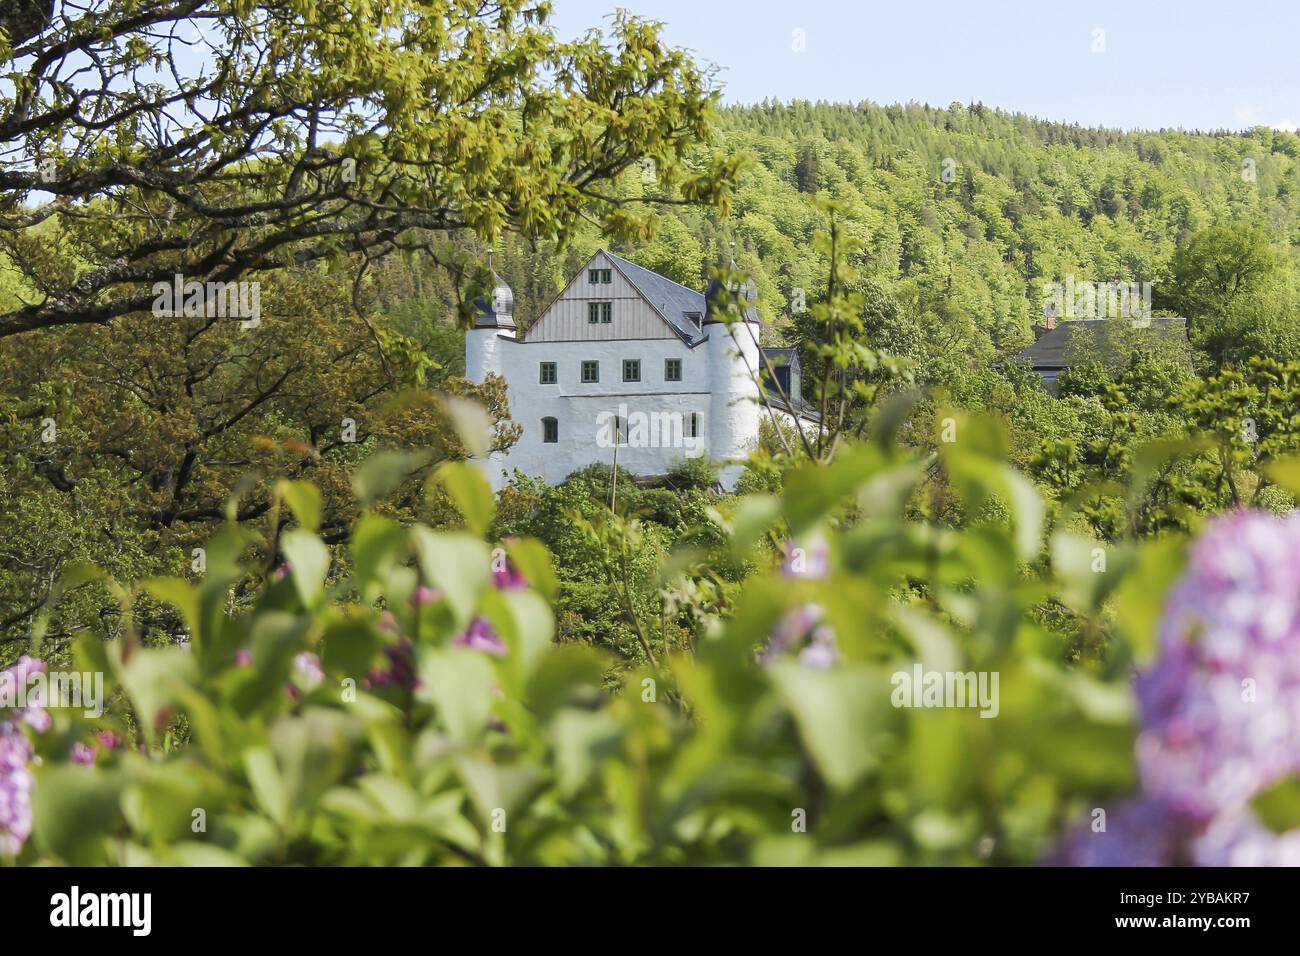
674,302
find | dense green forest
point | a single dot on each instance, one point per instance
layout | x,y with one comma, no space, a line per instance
965,255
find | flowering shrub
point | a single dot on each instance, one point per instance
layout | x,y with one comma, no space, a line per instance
403,702
1219,710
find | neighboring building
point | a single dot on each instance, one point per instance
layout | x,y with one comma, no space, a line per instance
624,355
1051,354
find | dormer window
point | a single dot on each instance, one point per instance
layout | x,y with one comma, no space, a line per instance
696,319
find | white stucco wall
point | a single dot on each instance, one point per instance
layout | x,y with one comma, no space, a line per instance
482,347
717,385
583,411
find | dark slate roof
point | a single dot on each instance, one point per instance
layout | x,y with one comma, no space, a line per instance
782,356
1048,353
795,404
797,407
672,300
496,312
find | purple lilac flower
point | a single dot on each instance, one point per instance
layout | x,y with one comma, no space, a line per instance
307,670
1140,833
810,559
107,739
482,637
803,627
82,753
1237,838
16,785
1220,709
243,657
17,680
400,671
505,576
16,780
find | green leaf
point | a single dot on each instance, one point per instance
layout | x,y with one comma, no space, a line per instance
312,752
1285,472
383,471
844,715
472,423
182,596
156,679
527,626
350,646
1278,806
268,786
75,809
305,500
459,682
377,545
457,564
309,561
1087,569
494,788
1140,597
470,490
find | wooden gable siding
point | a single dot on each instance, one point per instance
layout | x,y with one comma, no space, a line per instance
565,320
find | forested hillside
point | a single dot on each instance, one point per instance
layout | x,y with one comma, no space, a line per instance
964,214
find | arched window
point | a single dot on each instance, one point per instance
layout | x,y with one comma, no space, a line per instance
550,431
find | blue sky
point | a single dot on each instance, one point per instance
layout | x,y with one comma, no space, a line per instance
1190,64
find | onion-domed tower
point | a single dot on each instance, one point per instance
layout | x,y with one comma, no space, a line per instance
494,318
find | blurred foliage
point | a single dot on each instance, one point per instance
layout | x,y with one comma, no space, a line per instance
523,757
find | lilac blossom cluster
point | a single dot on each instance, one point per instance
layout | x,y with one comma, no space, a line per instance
1219,710
16,780
804,631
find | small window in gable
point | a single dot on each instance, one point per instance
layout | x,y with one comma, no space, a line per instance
599,276
550,431
602,312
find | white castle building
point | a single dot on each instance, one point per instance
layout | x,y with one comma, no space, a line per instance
627,362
